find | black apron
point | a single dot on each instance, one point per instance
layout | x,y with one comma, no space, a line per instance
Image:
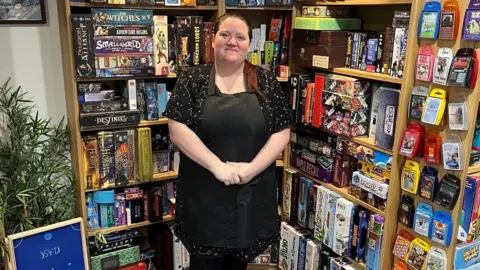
216,215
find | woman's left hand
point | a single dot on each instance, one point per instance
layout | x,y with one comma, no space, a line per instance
245,171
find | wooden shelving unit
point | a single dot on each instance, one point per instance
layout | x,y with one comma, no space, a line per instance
377,14
65,10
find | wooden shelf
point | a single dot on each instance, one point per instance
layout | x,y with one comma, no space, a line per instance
128,227
367,75
258,8
279,163
89,5
358,2
158,177
343,192
357,264
282,79
101,79
262,266
368,142
474,169
162,121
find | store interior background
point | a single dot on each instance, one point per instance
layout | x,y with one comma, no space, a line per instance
31,56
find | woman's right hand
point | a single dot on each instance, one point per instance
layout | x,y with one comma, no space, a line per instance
226,173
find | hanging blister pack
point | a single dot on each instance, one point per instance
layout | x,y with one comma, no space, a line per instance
434,107
425,59
410,176
432,148
430,20
452,153
412,140
464,68
448,191
423,219
449,20
417,102
436,259
442,228
458,112
428,182
471,21
406,211
442,65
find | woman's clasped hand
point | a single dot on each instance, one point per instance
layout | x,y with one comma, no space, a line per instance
234,173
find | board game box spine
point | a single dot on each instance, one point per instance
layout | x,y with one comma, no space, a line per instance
106,161
122,16
155,197
160,41
380,48
109,119
123,45
83,48
125,72
172,50
123,30
121,157
131,155
151,101
124,61
89,87
184,36
197,46
145,154
120,209
104,106
287,194
141,99
91,157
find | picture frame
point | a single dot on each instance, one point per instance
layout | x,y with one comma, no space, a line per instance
14,12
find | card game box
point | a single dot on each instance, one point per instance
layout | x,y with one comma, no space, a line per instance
82,26
92,121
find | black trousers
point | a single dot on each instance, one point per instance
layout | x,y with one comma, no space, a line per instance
223,263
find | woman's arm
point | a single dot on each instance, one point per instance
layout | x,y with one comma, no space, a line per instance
270,151
191,145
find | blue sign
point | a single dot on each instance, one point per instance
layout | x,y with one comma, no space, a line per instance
59,246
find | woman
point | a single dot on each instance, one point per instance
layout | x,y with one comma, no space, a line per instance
230,120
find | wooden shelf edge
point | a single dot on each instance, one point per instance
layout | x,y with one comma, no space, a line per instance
99,79
162,121
357,264
367,75
258,8
282,79
89,5
368,142
279,163
128,227
358,2
473,169
341,191
158,177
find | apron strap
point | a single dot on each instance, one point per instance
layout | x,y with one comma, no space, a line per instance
212,87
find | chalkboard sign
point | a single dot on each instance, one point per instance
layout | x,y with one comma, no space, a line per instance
59,246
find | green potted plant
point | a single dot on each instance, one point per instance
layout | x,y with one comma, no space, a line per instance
36,179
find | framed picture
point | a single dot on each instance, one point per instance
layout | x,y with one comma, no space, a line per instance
22,12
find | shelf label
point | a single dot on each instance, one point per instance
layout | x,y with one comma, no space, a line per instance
320,61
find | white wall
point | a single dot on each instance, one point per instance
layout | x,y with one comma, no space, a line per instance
31,56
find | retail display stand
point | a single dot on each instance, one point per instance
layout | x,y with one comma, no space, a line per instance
376,15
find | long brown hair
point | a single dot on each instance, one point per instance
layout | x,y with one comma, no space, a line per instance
249,69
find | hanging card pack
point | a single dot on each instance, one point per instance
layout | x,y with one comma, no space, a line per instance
448,191
432,150
406,211
410,176
452,153
458,112
428,182
417,102
442,65
464,68
442,228
418,253
412,139
399,265
430,20
386,117
471,21
425,59
449,20
402,243
434,107
436,259
423,219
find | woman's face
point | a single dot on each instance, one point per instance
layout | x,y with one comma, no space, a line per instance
231,42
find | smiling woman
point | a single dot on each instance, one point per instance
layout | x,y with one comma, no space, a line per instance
230,119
